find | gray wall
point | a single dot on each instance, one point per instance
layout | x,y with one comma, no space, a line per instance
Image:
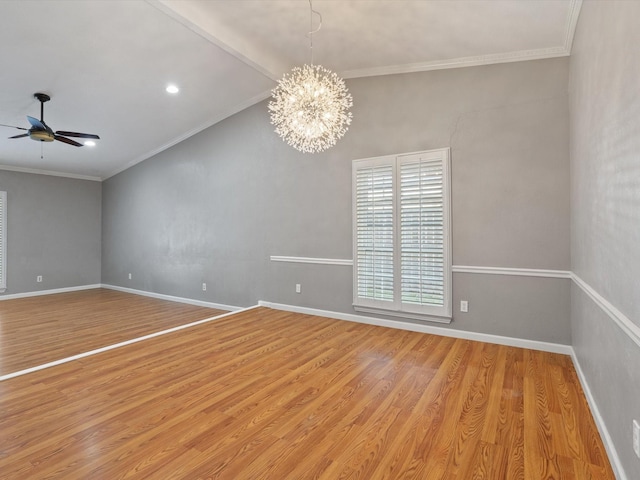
53,230
605,220
216,206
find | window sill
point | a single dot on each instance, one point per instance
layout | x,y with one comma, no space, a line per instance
413,316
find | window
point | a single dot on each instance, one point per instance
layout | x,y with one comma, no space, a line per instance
3,241
401,241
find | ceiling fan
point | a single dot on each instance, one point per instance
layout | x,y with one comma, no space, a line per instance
42,132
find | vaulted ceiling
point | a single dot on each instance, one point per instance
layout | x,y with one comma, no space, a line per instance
106,64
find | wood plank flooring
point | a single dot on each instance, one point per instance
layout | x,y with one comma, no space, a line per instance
38,330
266,394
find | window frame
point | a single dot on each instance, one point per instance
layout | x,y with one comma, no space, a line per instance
441,314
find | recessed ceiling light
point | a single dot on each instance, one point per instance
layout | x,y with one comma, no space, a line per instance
90,143
172,89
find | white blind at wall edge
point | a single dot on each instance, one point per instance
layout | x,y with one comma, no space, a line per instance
3,233
374,241
422,263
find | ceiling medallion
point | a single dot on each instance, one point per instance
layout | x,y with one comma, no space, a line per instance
310,106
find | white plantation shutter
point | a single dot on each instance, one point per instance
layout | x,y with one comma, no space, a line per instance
422,231
375,233
401,234
3,241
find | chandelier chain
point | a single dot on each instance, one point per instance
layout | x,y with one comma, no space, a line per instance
311,30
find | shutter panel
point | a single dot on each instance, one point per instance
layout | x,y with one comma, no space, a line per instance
422,234
374,233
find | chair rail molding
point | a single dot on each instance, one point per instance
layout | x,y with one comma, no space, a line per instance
626,325
314,260
522,272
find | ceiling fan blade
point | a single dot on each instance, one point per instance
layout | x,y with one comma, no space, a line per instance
20,136
77,135
36,123
67,140
12,126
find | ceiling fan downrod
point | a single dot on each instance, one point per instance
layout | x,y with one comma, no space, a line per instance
42,97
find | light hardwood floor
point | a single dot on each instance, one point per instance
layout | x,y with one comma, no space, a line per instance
38,330
274,395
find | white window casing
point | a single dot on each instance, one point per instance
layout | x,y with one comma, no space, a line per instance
3,241
401,235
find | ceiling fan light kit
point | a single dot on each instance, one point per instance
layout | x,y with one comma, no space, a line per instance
41,135
310,105
41,132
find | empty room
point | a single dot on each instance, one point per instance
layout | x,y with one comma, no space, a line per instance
294,239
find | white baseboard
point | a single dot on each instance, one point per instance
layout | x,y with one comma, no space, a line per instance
37,293
414,327
118,345
171,298
482,337
190,301
616,464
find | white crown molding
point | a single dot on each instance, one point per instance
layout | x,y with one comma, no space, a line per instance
51,173
218,118
272,66
223,37
524,272
572,21
491,59
475,61
626,325
321,261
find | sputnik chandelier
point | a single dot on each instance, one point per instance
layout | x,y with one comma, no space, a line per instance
310,105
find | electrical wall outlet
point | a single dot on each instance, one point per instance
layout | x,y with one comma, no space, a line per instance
39,278
636,438
204,287
129,276
298,288
464,306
